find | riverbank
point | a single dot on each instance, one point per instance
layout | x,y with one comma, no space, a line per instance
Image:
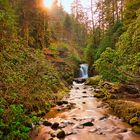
82,117
123,99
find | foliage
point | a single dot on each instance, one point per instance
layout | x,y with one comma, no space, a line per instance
28,82
122,62
110,38
18,124
89,53
107,65
131,11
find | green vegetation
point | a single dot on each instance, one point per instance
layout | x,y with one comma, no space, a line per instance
40,50
129,111
36,65
94,80
115,54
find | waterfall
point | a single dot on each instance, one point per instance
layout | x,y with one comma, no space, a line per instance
84,71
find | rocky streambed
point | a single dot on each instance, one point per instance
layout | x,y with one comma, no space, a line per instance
82,117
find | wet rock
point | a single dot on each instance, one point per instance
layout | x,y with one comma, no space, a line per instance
85,96
88,124
79,80
104,117
75,118
65,102
61,134
55,125
59,103
59,109
134,120
84,102
123,130
100,133
77,88
136,129
129,89
47,123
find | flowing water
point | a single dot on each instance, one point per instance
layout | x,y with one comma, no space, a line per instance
88,109
84,71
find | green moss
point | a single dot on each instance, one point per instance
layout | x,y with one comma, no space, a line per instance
134,120
136,129
99,95
104,94
125,109
93,80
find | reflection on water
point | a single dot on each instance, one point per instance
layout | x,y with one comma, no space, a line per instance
89,109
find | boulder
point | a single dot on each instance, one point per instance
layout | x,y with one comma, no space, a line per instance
79,80
47,123
61,134
55,125
129,89
88,124
134,120
136,129
93,80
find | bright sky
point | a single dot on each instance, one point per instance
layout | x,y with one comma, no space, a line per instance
66,3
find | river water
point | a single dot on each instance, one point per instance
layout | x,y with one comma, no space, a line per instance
88,109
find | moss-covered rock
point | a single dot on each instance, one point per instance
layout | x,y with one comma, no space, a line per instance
136,129
94,80
99,95
126,110
134,120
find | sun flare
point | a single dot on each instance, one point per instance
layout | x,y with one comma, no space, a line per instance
47,3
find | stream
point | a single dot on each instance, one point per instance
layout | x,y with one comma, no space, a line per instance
85,118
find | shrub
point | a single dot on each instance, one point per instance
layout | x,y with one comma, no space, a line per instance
107,65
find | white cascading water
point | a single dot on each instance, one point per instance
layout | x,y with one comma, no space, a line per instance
84,71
